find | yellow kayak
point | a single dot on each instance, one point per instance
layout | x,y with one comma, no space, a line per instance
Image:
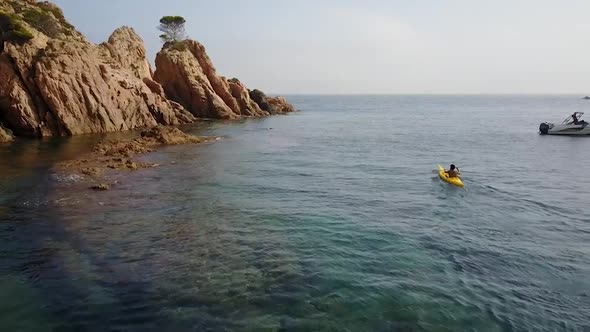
445,177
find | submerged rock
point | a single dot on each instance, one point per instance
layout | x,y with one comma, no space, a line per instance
169,136
121,148
101,187
117,155
5,136
90,171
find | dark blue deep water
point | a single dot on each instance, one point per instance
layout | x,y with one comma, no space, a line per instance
331,219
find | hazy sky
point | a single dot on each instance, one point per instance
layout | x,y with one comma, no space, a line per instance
371,46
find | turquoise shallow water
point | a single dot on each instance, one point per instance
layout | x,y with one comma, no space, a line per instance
329,219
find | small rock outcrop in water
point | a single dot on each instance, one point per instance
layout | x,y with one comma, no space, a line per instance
5,136
117,154
101,187
53,82
272,105
587,98
188,76
149,139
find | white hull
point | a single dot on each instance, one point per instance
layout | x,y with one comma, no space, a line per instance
570,130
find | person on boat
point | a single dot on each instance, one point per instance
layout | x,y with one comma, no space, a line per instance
575,118
453,172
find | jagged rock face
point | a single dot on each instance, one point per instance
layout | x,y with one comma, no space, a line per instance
248,106
17,108
260,98
272,105
184,81
21,106
90,96
128,50
280,105
66,86
188,76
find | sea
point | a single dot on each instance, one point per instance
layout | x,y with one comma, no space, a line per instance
329,219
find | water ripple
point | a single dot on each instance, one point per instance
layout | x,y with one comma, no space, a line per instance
311,227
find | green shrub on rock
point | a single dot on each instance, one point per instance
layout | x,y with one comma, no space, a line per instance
42,21
11,29
20,33
178,46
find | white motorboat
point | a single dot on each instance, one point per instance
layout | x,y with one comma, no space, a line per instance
570,126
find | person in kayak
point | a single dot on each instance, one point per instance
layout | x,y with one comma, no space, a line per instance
453,172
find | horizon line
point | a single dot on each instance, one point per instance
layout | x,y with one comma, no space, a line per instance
581,95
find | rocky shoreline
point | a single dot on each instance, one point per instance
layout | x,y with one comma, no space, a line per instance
53,82
119,155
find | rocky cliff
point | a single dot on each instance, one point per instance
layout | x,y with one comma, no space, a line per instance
188,76
53,82
56,83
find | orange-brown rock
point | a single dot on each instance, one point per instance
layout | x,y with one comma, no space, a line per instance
184,81
188,76
118,154
280,105
63,85
161,135
18,110
248,106
126,48
272,105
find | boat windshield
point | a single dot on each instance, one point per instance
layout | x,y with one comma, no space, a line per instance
570,120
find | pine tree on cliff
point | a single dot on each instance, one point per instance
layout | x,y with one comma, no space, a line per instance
172,28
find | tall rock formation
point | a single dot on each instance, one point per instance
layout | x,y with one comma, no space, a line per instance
126,48
57,83
188,76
